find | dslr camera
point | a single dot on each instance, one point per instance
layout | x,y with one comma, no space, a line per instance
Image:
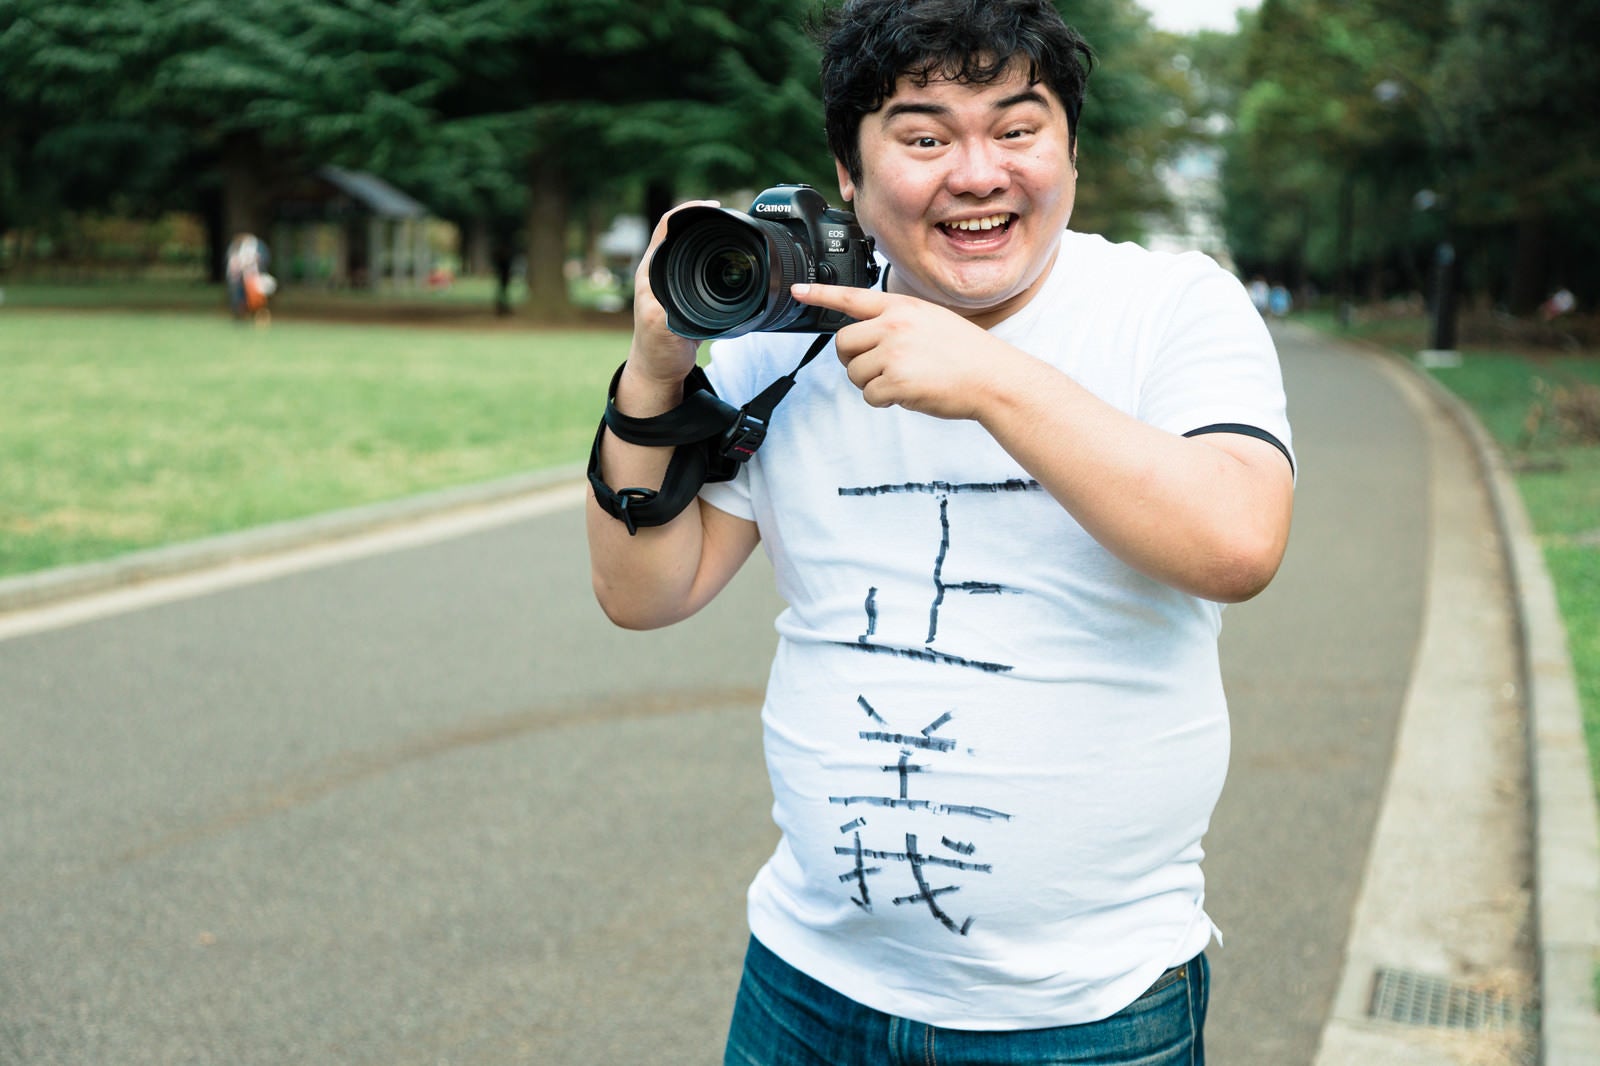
722,273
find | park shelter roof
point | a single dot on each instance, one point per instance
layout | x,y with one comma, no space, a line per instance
372,192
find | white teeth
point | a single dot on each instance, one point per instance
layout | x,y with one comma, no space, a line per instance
992,222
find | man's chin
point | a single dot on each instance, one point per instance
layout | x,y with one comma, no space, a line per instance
978,295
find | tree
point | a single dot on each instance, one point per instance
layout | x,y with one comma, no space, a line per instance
1370,130
487,107
588,97
253,89
1321,169
1126,131
493,111
65,143
1513,84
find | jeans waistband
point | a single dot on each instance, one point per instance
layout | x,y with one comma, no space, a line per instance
1168,977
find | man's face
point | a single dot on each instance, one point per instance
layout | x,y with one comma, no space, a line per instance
967,189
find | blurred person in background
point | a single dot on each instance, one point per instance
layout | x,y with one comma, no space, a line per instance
249,285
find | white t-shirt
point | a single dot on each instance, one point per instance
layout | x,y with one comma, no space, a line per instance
994,748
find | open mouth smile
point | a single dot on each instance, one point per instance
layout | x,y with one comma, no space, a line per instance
969,228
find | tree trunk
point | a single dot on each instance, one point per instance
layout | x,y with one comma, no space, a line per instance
594,227
548,298
1410,272
657,202
1528,264
472,246
246,187
1344,275
210,205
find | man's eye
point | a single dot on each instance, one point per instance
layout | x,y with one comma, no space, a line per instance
926,142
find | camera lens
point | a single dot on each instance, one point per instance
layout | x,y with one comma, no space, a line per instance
720,274
731,275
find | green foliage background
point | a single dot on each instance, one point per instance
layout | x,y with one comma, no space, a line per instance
1345,110
516,114
537,120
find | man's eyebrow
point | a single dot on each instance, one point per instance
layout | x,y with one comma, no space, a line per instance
1026,96
896,110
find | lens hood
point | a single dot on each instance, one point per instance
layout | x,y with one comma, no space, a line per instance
722,273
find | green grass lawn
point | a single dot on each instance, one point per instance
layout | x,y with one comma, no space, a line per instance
124,430
167,292
464,294
1557,474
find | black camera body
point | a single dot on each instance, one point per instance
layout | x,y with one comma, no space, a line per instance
723,273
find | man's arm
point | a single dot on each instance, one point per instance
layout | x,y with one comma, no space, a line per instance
665,573
1208,515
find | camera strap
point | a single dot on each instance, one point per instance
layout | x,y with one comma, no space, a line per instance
711,439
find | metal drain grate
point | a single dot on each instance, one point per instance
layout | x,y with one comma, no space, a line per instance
1418,999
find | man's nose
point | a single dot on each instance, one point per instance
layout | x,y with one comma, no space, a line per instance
978,168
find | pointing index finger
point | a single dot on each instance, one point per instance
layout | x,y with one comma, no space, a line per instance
857,303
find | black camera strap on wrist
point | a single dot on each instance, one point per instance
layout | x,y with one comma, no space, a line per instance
711,439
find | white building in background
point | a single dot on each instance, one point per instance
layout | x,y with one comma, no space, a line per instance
350,228
623,243
1193,182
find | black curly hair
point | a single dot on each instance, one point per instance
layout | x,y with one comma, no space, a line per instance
868,45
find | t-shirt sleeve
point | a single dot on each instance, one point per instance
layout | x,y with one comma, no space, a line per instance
1215,368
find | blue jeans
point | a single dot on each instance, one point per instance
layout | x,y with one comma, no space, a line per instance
784,1018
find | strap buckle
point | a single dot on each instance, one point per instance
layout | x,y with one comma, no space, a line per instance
625,497
742,439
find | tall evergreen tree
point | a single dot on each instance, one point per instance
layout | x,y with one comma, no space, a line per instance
1329,145
1368,130
485,109
1515,85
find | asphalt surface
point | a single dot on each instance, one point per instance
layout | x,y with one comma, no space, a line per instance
1316,670
418,802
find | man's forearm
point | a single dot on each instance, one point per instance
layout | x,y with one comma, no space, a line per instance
1209,515
637,578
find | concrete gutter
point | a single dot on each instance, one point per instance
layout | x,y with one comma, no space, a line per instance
1566,825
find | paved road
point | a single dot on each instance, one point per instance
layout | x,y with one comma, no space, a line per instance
428,807
1317,670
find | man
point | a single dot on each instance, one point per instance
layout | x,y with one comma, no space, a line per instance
1004,522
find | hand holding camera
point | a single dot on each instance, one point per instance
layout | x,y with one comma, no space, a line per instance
658,358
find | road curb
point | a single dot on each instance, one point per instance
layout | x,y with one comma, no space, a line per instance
1566,825
67,582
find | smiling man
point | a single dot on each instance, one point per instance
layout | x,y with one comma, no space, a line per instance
1004,523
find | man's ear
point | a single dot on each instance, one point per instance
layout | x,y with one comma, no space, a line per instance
847,187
